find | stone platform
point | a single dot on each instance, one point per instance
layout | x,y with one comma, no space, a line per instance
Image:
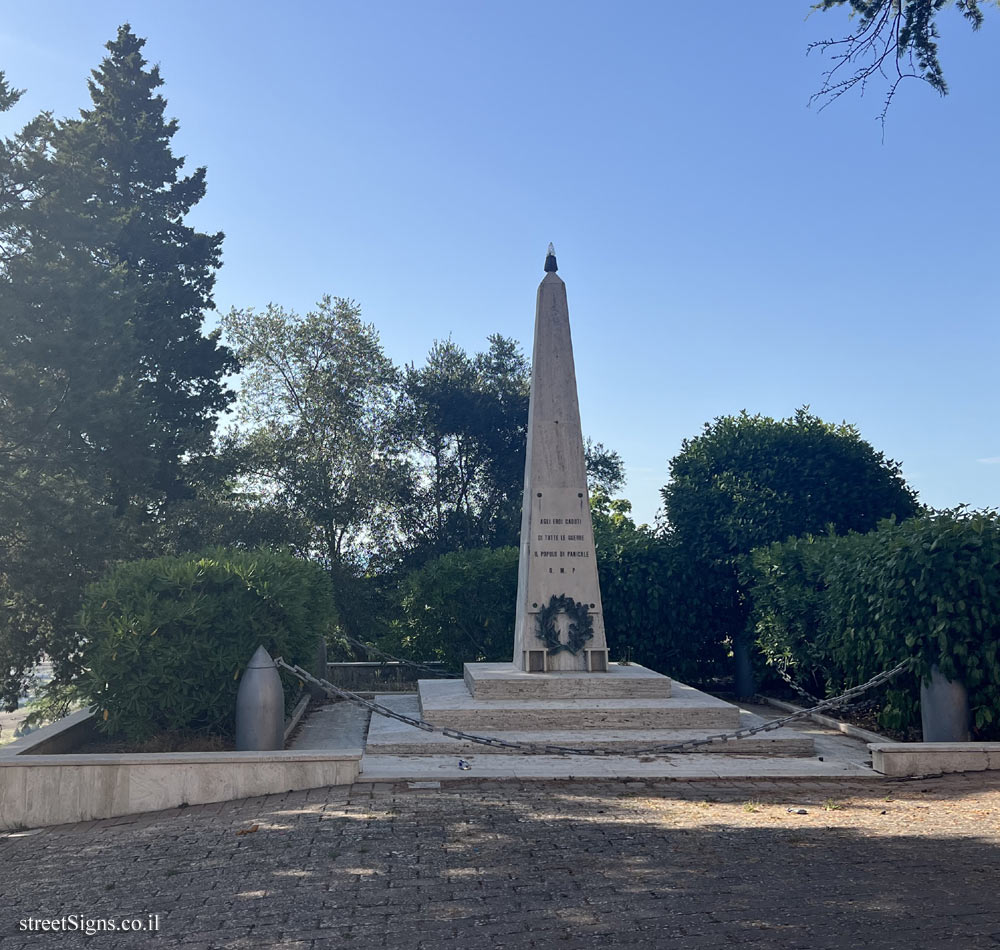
627,709
391,737
506,681
449,703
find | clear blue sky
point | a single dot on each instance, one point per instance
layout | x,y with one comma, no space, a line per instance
724,246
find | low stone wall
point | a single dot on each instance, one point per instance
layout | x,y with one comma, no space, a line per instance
39,787
933,758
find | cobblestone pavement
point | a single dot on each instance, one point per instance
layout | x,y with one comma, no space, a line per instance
479,865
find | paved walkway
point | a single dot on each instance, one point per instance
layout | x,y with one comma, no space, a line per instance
479,864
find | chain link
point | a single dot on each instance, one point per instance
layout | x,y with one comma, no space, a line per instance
536,748
805,694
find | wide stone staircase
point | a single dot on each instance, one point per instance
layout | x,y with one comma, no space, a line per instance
629,709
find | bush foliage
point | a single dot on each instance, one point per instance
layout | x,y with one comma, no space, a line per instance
459,608
650,595
750,480
839,610
167,639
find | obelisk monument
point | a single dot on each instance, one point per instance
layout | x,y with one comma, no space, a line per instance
560,690
559,623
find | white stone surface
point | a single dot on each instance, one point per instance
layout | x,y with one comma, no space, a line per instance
340,725
837,757
449,703
931,758
557,555
406,768
297,713
61,736
46,789
506,681
391,737
855,732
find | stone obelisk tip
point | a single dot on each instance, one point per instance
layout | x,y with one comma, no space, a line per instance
550,261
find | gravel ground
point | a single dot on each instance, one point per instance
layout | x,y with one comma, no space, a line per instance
477,865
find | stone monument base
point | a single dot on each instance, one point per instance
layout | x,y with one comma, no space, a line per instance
496,696
506,681
390,737
629,708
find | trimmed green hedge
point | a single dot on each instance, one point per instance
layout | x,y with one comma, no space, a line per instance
657,608
167,639
839,610
459,608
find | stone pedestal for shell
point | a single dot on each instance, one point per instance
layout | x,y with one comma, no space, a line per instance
944,709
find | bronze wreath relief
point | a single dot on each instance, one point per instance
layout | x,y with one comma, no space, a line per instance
581,625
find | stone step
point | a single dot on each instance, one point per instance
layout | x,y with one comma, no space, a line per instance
449,703
391,737
505,681
684,768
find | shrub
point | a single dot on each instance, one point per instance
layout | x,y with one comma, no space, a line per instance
459,608
167,639
788,584
747,481
655,609
853,606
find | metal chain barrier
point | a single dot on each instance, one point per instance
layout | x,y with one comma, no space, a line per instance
536,748
805,694
398,659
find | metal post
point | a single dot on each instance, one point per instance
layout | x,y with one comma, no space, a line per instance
743,678
944,709
260,706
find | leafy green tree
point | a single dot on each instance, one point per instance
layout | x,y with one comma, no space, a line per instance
117,157
459,608
605,469
315,436
465,419
60,391
747,481
108,389
894,39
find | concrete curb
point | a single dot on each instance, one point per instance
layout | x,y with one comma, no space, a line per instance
40,786
855,732
933,758
297,713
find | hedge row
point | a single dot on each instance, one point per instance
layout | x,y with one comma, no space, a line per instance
657,611
460,608
838,610
167,639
